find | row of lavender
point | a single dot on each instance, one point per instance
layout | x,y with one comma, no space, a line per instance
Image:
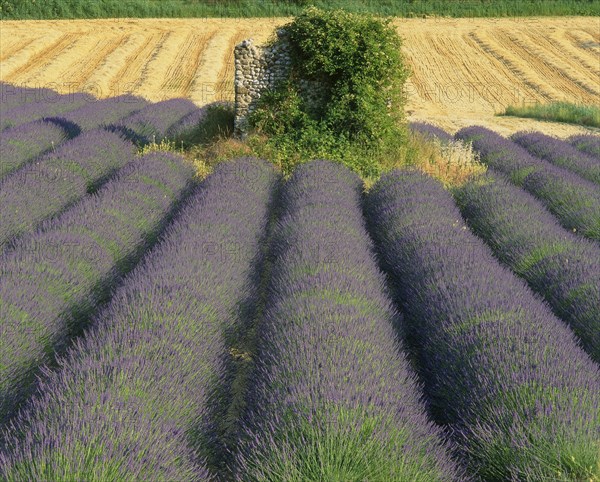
22,144
557,264
156,355
588,143
333,396
519,397
155,122
56,277
573,200
35,187
506,377
62,104
560,266
34,134
565,156
560,153
38,126
133,116
173,390
13,96
20,105
47,186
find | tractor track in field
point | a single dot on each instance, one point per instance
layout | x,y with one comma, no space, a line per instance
15,47
211,80
52,58
21,57
81,71
498,53
565,74
585,46
482,85
567,44
209,65
131,66
592,33
553,51
41,59
224,87
506,87
181,73
144,72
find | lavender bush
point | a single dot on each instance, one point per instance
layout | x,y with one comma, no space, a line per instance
561,267
22,144
333,396
560,153
429,130
508,379
588,143
53,107
48,186
105,111
55,278
154,121
153,354
573,200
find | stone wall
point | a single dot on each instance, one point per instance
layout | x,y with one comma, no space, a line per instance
259,68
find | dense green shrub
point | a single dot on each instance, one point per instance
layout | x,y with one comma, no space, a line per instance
6,7
359,121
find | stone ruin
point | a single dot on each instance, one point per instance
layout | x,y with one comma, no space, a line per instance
260,68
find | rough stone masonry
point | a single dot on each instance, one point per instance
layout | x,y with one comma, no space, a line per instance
257,68
260,68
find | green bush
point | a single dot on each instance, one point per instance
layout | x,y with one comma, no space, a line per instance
359,121
6,7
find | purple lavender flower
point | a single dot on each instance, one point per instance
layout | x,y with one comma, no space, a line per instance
15,96
509,380
588,143
573,200
22,114
560,153
55,278
22,144
105,111
153,121
333,396
188,124
139,390
429,130
560,266
50,185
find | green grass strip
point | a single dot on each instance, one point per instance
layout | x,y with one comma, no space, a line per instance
56,9
584,115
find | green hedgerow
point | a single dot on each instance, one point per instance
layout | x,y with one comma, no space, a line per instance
359,121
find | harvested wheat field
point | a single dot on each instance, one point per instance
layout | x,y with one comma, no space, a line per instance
464,70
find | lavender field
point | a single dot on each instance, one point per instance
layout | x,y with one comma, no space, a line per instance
250,326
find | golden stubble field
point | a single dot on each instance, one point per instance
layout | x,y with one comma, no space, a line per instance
464,70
